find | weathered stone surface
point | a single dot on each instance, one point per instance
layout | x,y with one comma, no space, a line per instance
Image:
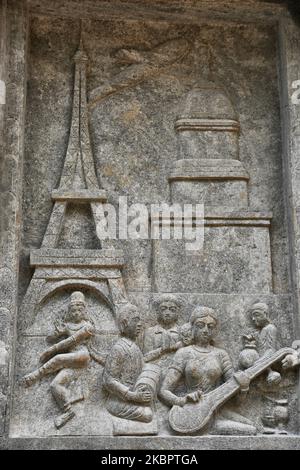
13,70
157,443
101,339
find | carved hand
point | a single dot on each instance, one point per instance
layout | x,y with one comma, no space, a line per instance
167,343
171,345
168,348
139,396
180,401
175,346
60,327
194,397
243,380
291,360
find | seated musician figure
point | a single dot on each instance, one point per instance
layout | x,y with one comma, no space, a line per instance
131,394
203,367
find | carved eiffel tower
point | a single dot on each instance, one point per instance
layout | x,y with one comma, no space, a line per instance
58,267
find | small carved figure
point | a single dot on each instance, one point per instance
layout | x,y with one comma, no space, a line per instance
267,339
130,395
165,337
276,417
203,367
68,353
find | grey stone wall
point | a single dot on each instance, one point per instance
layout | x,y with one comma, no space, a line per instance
13,69
249,50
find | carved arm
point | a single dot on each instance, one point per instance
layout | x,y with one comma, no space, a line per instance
115,387
65,345
157,353
169,383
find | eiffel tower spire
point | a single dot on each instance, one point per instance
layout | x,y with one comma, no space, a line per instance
79,159
78,182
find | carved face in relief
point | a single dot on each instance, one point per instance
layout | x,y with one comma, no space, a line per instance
77,312
133,327
259,314
168,313
204,330
77,308
259,318
130,323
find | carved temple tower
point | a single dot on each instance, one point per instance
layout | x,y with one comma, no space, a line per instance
208,171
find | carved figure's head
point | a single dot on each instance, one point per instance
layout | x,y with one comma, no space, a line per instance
129,321
168,309
77,307
204,325
186,334
259,314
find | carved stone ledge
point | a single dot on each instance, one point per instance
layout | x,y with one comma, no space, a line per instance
82,195
190,124
154,442
207,169
94,258
80,272
219,216
124,427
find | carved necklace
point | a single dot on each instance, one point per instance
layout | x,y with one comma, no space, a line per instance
201,349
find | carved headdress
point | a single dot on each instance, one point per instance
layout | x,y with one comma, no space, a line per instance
260,307
202,312
168,298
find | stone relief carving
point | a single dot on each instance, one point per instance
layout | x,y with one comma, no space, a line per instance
203,368
209,171
276,416
131,391
187,418
263,342
249,354
130,378
165,337
293,358
68,354
207,129
59,267
63,266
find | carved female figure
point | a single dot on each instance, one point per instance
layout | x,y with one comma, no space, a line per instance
203,367
70,352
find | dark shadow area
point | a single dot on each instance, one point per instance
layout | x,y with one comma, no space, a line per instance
292,5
